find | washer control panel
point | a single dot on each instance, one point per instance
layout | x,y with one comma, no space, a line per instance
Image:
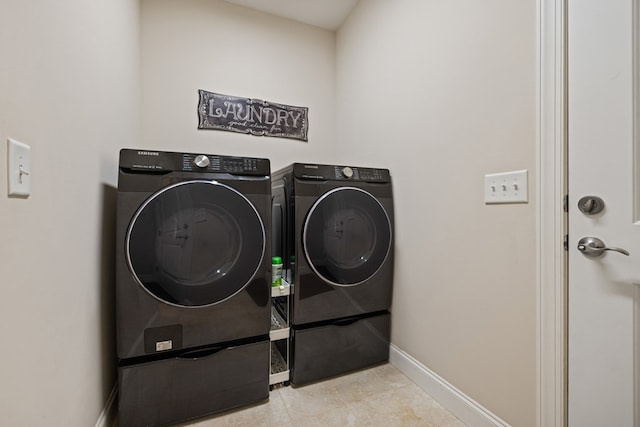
234,165
162,161
340,173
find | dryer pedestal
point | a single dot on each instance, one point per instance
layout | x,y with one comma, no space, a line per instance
339,347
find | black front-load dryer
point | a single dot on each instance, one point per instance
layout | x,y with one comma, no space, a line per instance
333,226
193,279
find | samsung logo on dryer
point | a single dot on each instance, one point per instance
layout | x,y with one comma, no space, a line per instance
148,153
311,166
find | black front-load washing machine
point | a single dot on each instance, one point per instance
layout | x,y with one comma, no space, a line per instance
333,226
193,280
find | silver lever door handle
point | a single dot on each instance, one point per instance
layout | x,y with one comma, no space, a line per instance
594,247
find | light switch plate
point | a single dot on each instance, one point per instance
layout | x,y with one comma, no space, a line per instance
19,168
506,187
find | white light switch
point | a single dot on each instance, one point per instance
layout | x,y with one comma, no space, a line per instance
506,187
19,168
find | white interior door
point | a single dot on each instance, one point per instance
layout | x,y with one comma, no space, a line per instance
603,292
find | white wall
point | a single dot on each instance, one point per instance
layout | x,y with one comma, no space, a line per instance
189,45
441,93
69,88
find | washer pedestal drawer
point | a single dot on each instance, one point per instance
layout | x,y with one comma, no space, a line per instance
193,384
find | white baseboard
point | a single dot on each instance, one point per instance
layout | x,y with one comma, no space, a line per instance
108,415
462,406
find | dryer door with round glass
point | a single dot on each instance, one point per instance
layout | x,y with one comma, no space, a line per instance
195,243
346,236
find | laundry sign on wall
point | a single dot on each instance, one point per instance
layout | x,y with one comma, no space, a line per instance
254,116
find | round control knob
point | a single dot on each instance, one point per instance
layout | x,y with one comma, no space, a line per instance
202,161
347,172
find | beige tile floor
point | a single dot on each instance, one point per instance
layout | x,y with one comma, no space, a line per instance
379,396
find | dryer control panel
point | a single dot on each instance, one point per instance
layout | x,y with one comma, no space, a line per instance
340,173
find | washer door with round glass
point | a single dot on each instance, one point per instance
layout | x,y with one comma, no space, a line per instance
195,243
346,236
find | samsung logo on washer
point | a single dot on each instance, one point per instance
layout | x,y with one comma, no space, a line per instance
148,153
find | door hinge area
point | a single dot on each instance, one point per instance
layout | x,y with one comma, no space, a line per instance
565,243
565,203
